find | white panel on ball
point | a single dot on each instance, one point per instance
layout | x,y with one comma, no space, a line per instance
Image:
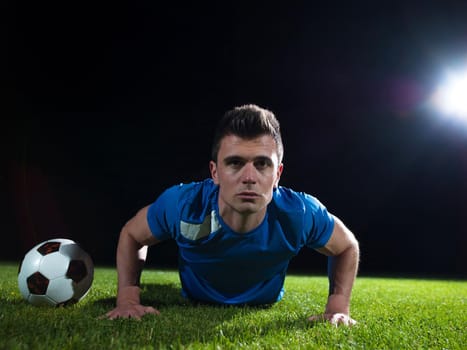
54,266
60,290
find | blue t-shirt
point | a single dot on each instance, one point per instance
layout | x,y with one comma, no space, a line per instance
218,265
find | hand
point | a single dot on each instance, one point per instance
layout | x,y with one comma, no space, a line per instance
335,319
135,311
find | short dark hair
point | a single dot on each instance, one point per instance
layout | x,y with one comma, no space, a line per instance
248,121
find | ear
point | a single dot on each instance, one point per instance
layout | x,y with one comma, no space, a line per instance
279,173
213,170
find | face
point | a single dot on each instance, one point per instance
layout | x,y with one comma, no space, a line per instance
246,172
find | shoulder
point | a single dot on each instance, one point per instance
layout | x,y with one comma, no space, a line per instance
303,213
288,200
192,200
189,202
195,192
190,191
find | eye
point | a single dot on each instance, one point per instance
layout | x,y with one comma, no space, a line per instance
262,163
235,163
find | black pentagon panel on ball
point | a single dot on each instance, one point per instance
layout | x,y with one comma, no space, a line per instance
76,270
37,283
49,247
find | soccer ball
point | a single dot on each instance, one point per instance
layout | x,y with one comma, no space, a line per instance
56,272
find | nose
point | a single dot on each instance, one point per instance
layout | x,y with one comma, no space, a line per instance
249,173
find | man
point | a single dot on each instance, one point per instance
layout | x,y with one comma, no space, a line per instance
238,230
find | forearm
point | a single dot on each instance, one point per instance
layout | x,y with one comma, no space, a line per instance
131,256
342,270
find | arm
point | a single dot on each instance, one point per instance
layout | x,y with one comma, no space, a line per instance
135,237
343,252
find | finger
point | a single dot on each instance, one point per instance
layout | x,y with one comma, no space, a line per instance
151,310
316,318
342,319
115,315
109,315
338,319
334,319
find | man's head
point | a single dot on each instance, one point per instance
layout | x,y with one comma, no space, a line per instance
247,165
248,122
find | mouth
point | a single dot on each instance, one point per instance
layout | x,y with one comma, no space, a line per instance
248,195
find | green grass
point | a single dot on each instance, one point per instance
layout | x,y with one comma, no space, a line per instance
392,314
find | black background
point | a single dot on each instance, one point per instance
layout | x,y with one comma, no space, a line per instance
107,104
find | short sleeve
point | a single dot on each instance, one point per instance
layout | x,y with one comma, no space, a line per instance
162,213
319,223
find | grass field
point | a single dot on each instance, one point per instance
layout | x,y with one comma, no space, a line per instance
392,314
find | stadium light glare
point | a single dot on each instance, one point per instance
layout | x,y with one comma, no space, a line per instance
451,96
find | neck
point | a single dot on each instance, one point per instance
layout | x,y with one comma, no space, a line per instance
241,222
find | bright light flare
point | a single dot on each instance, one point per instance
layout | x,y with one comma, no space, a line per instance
451,96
